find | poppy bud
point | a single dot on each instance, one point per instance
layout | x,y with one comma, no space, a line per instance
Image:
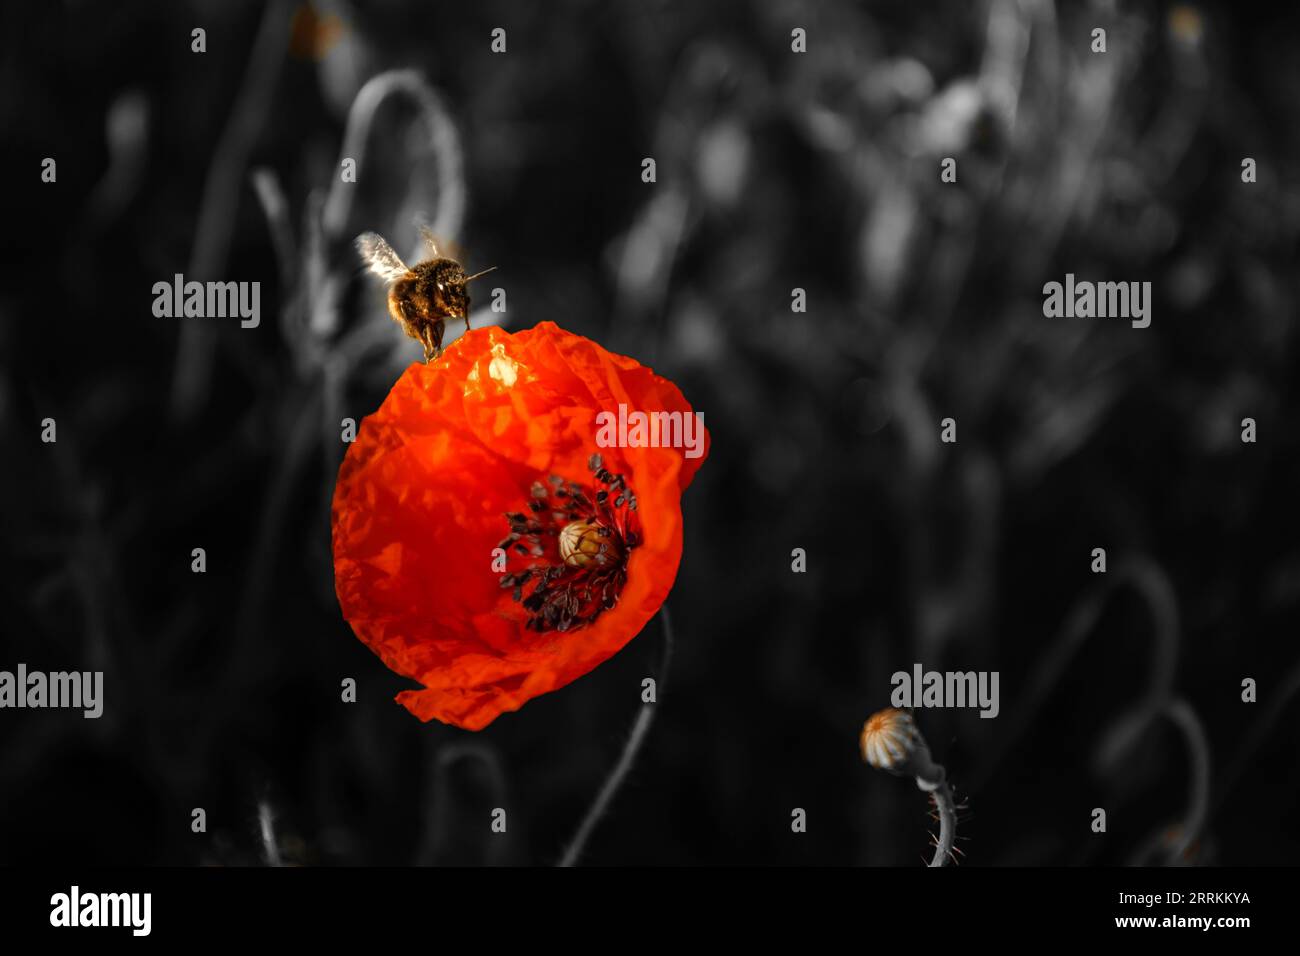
891,742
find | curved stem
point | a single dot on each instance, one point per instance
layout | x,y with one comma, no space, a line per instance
443,140
947,810
1152,584
438,822
626,759
1181,713
270,846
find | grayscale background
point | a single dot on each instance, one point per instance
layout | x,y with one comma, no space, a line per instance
776,170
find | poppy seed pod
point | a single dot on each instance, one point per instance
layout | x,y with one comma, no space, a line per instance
586,543
891,742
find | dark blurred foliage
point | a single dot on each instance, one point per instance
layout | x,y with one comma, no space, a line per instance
775,170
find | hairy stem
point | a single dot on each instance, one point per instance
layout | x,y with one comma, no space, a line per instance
947,810
634,741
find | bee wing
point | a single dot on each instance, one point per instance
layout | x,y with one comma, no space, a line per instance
429,240
380,258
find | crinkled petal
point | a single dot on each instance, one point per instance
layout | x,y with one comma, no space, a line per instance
420,500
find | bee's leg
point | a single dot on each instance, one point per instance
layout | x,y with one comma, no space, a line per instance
431,338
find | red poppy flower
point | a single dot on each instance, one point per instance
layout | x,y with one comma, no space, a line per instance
484,544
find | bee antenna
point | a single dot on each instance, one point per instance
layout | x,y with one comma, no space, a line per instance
483,273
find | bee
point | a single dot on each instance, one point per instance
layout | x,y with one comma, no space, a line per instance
421,298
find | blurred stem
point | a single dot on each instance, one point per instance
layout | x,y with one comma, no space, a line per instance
295,436
1181,713
634,741
192,369
270,848
275,206
444,142
1173,843
1153,585
439,823
1288,688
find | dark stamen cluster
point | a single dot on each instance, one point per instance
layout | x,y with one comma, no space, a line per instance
564,591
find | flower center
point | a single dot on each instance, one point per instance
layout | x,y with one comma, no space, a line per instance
587,543
572,581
